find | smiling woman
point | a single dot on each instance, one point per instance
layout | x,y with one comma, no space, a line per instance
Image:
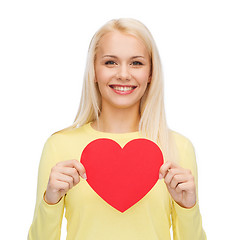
122,101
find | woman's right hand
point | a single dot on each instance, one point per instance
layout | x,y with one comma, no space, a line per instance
64,175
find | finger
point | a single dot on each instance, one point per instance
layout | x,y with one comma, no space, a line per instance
65,178
76,164
166,167
171,173
72,172
59,186
177,179
186,186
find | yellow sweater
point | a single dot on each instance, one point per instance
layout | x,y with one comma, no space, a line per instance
89,217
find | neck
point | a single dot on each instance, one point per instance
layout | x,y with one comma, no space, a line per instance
117,121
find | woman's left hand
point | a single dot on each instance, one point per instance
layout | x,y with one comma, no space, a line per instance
180,184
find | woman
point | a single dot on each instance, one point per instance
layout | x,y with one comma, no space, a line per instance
122,100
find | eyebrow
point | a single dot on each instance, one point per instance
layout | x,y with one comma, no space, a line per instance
112,56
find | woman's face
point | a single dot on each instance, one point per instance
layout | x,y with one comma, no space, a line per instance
122,60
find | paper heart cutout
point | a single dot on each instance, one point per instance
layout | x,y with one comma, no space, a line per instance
122,176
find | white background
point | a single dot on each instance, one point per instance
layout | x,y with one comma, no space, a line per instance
43,46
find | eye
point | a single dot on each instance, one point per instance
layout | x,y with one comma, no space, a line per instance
109,62
137,63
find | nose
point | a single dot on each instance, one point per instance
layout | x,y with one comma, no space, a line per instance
123,72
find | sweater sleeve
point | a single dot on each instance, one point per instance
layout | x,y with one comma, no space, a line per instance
187,223
47,219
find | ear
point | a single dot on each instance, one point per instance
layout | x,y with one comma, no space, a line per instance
149,78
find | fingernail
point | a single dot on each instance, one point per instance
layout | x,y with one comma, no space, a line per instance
85,176
160,176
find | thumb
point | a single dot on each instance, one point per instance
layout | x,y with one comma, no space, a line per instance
160,176
81,170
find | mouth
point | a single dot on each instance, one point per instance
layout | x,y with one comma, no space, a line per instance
123,89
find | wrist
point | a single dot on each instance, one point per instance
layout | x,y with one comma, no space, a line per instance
49,202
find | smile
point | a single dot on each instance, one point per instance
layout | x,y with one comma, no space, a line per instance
122,90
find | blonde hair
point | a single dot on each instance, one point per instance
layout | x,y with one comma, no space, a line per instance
152,123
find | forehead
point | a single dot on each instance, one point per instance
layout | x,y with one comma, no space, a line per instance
117,43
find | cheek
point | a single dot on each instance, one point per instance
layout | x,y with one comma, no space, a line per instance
142,76
103,74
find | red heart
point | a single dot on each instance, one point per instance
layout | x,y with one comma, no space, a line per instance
122,176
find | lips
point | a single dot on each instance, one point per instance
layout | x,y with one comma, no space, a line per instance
123,89
117,85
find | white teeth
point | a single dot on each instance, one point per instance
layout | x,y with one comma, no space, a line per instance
122,88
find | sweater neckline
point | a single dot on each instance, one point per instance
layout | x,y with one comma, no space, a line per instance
108,134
